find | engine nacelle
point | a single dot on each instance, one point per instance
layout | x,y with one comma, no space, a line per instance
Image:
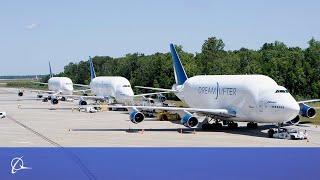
20,93
136,116
294,121
307,111
83,102
189,121
54,100
162,98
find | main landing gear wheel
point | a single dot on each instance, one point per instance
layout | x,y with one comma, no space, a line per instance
63,99
252,125
270,133
210,123
232,125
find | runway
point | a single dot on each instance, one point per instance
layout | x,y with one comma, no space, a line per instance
35,125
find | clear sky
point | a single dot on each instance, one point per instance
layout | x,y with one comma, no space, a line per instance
34,32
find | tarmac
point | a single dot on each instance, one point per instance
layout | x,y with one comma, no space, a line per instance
33,123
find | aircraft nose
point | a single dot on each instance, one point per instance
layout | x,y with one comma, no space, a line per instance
70,88
292,110
125,95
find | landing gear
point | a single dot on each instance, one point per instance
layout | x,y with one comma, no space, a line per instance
45,100
39,96
63,99
252,125
232,125
210,123
270,133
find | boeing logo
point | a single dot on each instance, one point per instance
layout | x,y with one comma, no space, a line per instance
17,165
217,90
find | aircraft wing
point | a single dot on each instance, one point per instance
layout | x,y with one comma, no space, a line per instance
215,112
157,89
82,85
85,97
40,83
149,94
43,91
308,101
84,90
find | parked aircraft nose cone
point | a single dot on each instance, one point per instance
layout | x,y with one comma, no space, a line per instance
124,96
292,110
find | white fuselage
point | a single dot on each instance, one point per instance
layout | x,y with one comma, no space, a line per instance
254,98
62,85
115,87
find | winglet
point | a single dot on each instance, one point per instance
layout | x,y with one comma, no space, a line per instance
179,72
92,72
51,75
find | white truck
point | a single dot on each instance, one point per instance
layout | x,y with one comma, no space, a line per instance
290,133
3,114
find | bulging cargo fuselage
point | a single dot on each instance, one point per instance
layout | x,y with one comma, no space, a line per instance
112,86
255,98
63,85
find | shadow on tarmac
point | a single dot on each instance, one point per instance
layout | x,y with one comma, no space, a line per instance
240,130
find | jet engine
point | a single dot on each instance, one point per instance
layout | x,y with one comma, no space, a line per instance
189,121
162,98
136,116
307,111
54,100
20,93
83,102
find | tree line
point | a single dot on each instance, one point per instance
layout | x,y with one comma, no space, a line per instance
293,67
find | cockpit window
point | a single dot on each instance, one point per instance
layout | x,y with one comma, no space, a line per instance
126,86
282,91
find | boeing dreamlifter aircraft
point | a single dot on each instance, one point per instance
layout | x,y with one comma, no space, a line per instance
110,88
229,98
58,88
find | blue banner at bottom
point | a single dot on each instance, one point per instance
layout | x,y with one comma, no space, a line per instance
159,163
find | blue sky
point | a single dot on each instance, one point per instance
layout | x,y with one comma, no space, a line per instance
34,32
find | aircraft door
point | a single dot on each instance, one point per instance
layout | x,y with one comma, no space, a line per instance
260,106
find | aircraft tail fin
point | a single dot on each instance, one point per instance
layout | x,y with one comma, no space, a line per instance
92,71
179,72
51,75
